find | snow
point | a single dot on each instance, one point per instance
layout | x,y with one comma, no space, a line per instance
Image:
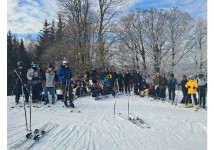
95,128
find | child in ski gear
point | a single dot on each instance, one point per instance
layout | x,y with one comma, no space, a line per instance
34,76
50,79
171,86
184,89
19,85
162,85
126,79
192,85
137,82
201,89
120,81
65,75
150,82
156,86
144,87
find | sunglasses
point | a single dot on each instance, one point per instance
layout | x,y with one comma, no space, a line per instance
34,64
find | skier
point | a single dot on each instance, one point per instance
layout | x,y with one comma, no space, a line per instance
65,75
192,85
150,82
19,85
171,86
127,78
87,75
34,76
42,83
144,88
137,82
50,79
184,89
120,81
94,76
114,78
156,86
162,86
201,89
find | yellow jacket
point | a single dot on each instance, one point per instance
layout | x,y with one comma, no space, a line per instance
191,84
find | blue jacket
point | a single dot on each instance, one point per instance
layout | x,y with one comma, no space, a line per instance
64,72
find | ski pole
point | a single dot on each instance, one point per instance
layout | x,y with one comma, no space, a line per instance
24,109
65,90
114,105
128,106
177,97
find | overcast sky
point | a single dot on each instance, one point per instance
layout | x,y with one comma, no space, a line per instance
26,16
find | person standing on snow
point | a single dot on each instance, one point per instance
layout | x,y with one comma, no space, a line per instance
50,79
65,75
156,86
184,89
162,86
18,87
94,75
126,79
114,79
137,80
171,86
120,81
34,76
201,89
192,85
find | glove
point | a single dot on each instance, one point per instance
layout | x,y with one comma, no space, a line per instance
194,88
188,86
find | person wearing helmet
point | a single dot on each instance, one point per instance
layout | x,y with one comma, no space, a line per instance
163,84
201,89
50,79
18,87
192,85
156,86
184,89
171,87
34,76
137,82
65,75
126,79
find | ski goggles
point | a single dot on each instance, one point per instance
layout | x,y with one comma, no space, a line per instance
34,65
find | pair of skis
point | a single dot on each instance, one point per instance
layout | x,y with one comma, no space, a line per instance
33,137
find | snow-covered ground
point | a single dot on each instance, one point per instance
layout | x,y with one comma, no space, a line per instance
95,128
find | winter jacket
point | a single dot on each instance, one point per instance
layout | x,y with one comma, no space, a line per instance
94,75
63,72
137,78
34,76
163,83
172,82
127,78
50,77
114,76
144,86
156,80
192,85
183,83
120,78
88,74
201,82
23,75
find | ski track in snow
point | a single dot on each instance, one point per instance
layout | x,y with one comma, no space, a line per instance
94,128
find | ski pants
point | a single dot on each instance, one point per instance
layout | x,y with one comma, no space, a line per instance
136,88
194,98
163,93
171,94
36,91
19,92
157,92
201,93
65,91
146,92
121,87
184,91
51,90
127,87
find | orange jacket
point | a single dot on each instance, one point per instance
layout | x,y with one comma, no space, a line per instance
191,84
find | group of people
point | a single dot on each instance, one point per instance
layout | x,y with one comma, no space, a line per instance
112,83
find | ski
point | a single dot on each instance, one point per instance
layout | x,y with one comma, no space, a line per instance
131,120
37,137
75,110
28,136
140,120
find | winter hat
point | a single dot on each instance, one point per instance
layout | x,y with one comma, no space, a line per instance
94,69
190,77
171,75
51,66
20,63
33,64
65,62
138,70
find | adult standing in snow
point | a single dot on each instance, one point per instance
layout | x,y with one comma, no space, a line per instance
192,85
156,86
34,76
94,76
150,82
114,79
120,81
184,89
41,85
163,85
65,75
171,86
87,75
50,79
137,82
126,79
19,85
201,89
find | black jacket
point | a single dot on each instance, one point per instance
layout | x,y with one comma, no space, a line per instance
114,76
137,78
120,78
183,83
23,75
127,78
144,86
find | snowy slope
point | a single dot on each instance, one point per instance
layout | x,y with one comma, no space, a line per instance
172,128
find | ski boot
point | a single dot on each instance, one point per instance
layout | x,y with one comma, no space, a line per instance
189,105
71,104
36,100
196,106
46,101
66,104
16,101
27,101
53,100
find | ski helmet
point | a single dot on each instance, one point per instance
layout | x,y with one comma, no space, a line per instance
190,77
33,64
65,62
138,70
20,63
200,75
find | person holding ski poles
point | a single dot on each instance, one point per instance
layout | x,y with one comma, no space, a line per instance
184,89
65,75
21,71
201,89
120,81
192,85
50,79
171,87
163,84
34,76
156,86
126,79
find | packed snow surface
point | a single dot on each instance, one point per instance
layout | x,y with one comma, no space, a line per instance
95,128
